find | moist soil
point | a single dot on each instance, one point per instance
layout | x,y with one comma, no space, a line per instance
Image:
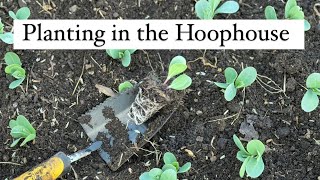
199,131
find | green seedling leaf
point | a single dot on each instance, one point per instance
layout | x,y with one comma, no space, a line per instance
12,123
19,73
313,81
185,168
23,121
126,60
146,176
132,51
12,15
12,68
296,13
270,13
255,147
178,60
19,131
246,77
16,83
21,128
176,69
181,82
221,85
169,175
243,167
228,7
155,173
230,74
125,86
1,27
214,4
203,10
27,139
241,155
255,167
289,5
15,142
23,13
168,166
169,158
230,92
7,37
310,101
12,58
307,25
239,144
176,165
114,53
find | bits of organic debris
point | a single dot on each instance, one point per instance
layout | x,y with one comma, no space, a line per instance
105,90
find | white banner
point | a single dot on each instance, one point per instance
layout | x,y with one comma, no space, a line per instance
158,34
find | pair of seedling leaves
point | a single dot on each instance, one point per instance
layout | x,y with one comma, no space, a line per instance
234,82
123,54
310,100
21,129
169,171
292,11
207,9
252,164
22,14
14,69
177,66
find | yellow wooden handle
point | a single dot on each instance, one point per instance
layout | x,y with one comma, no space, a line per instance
51,169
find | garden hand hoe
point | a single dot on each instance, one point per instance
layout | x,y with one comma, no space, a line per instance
110,123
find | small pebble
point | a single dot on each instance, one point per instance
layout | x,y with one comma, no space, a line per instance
283,132
115,15
199,139
73,8
199,113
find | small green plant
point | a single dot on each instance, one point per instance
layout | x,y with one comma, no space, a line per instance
21,129
292,11
14,69
177,66
252,160
22,14
123,54
169,171
208,9
310,100
235,82
6,37
124,86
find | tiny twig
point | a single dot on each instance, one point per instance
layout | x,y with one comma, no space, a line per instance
11,163
75,88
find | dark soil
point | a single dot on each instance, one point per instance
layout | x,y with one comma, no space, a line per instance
200,126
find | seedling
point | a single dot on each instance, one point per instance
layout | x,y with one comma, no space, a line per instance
14,69
22,14
6,37
21,129
208,9
177,66
292,11
169,171
235,82
310,100
252,160
123,54
124,86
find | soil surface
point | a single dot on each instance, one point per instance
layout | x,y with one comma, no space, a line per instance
199,131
